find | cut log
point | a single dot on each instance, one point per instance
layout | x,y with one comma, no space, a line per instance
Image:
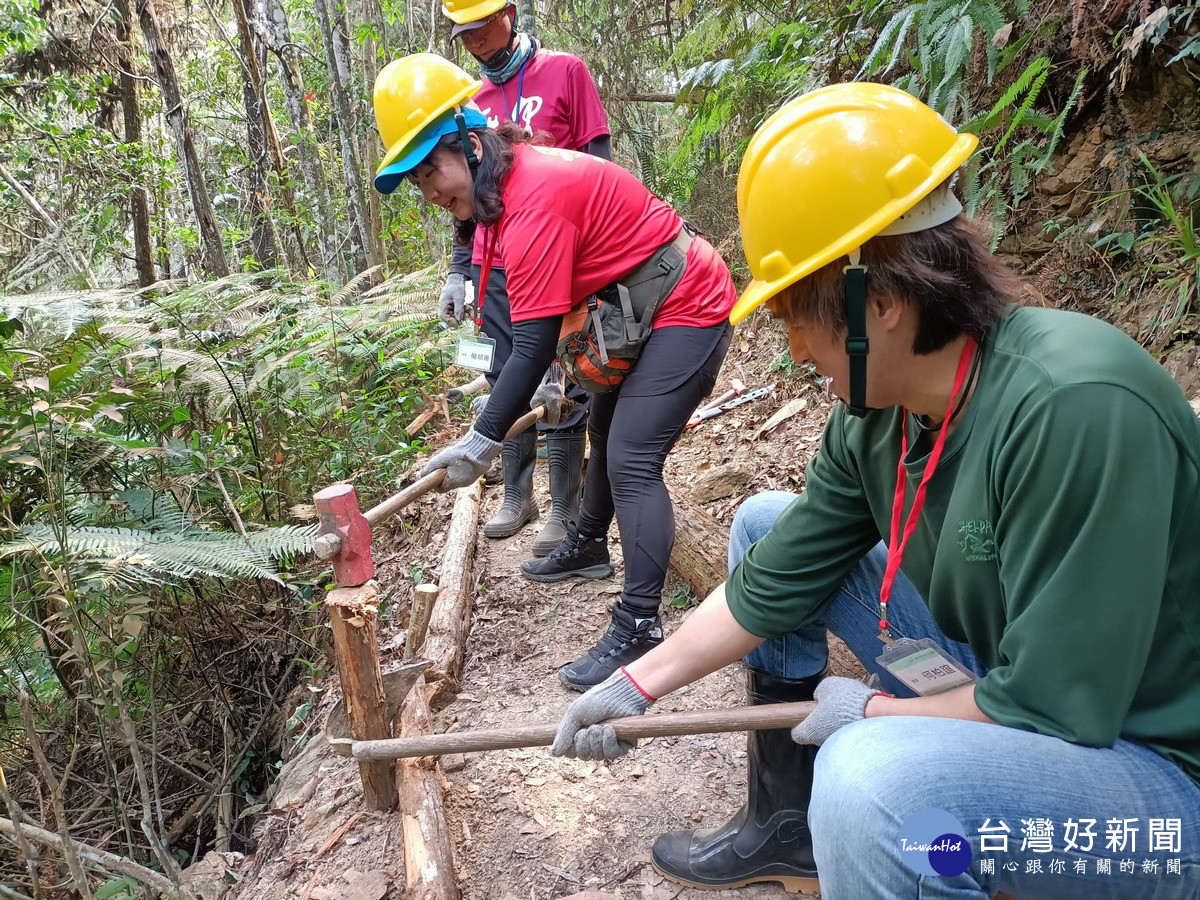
352,619
428,858
450,623
701,547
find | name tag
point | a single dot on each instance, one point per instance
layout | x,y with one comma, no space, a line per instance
924,667
476,353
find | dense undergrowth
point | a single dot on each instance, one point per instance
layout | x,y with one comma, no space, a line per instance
156,447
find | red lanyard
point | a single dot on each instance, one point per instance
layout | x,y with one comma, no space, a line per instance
896,542
490,239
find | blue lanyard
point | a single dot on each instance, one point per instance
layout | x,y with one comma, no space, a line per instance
520,84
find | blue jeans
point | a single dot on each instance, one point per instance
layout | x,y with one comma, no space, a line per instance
1024,800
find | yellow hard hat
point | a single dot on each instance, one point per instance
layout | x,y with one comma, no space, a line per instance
832,169
411,95
460,12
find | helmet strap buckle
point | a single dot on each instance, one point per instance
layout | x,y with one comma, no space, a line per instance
465,136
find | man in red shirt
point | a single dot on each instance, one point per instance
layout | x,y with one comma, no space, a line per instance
544,91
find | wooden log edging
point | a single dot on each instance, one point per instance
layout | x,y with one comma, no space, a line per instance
445,644
428,852
699,554
428,855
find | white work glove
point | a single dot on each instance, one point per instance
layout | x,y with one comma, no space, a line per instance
479,404
579,735
840,701
465,461
552,394
451,303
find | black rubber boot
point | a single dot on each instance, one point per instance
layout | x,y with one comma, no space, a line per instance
768,840
631,635
564,453
519,455
577,556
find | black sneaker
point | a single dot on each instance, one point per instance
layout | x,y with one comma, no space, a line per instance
576,557
628,637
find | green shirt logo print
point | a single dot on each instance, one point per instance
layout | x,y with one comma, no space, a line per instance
976,542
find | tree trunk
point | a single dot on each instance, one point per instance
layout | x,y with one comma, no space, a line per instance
526,19
311,170
337,58
263,237
212,255
369,17
139,202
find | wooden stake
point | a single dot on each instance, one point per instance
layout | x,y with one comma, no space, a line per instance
352,618
418,618
428,858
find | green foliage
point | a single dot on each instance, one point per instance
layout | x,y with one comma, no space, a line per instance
937,41
151,444
1000,176
1152,230
138,558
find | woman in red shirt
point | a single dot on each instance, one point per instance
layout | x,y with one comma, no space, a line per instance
568,225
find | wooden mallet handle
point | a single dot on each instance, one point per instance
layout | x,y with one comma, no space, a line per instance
713,721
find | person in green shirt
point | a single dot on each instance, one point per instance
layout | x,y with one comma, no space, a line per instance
1003,524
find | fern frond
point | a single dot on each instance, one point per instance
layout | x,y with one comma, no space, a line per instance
352,287
179,555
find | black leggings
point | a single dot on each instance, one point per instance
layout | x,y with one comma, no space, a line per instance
632,429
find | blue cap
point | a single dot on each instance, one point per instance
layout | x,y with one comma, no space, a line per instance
388,179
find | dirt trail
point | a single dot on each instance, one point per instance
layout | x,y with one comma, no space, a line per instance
528,826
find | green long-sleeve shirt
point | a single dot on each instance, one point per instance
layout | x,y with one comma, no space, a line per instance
1060,536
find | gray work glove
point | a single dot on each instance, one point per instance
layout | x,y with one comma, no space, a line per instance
552,394
479,404
464,462
454,296
840,701
579,735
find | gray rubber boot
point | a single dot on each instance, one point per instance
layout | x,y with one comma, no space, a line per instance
564,453
519,456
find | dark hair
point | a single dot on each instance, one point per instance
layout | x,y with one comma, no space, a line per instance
948,272
496,160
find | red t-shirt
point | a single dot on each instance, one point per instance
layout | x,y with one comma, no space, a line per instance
574,223
556,94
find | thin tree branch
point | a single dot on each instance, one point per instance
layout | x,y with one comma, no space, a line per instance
101,858
74,863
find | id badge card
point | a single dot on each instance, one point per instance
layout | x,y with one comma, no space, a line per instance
924,667
476,352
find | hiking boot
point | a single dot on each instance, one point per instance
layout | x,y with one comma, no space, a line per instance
564,452
768,840
577,556
631,635
518,507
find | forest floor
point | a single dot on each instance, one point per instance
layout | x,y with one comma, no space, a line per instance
528,826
